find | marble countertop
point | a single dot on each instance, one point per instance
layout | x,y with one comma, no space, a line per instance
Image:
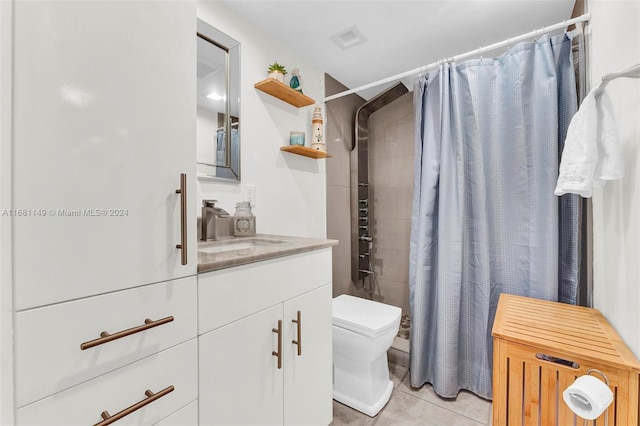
228,252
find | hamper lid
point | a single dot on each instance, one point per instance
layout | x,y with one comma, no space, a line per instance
576,331
364,316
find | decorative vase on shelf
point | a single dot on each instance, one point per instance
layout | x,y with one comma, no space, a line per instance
277,75
277,71
296,138
296,82
317,140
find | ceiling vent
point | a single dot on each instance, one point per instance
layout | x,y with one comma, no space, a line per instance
349,38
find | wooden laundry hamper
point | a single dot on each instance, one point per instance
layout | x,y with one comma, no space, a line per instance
527,390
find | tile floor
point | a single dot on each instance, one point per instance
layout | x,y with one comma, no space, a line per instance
413,407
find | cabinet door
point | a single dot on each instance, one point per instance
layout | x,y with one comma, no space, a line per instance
104,123
240,383
308,375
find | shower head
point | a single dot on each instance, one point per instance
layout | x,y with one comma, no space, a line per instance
384,98
374,104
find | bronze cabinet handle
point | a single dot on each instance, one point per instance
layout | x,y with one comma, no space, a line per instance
183,217
106,337
298,342
108,419
278,354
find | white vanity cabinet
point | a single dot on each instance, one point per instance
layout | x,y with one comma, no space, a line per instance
239,308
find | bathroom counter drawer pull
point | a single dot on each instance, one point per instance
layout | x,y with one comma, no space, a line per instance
106,337
183,218
298,342
278,354
108,419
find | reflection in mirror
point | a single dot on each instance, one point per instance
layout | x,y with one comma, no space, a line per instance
218,112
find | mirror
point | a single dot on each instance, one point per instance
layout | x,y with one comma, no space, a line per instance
218,105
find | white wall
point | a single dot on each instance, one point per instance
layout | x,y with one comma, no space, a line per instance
290,189
615,45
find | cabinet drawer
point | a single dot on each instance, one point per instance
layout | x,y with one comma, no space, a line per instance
230,294
122,388
48,354
186,416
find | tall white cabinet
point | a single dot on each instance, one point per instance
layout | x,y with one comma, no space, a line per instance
103,113
103,123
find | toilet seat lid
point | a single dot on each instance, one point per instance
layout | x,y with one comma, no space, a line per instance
364,316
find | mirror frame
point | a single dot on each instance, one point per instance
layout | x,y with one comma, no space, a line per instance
228,172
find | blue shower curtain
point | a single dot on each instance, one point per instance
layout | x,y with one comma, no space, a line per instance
485,221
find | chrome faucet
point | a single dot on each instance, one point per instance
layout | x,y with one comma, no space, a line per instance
209,210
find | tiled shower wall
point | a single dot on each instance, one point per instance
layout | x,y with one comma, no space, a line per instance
391,190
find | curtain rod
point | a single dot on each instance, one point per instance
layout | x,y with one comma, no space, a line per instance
425,68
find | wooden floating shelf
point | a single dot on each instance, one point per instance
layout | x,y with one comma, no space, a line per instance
284,92
303,150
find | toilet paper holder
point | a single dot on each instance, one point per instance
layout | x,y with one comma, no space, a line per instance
606,411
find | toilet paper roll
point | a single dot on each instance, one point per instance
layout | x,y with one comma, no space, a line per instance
588,397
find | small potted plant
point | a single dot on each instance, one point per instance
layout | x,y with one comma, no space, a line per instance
277,71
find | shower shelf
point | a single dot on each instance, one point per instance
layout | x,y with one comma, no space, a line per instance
283,92
303,150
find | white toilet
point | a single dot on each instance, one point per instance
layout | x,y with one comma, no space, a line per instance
363,331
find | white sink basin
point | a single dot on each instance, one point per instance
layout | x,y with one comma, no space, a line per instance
233,245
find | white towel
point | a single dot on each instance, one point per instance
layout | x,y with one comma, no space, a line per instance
592,151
